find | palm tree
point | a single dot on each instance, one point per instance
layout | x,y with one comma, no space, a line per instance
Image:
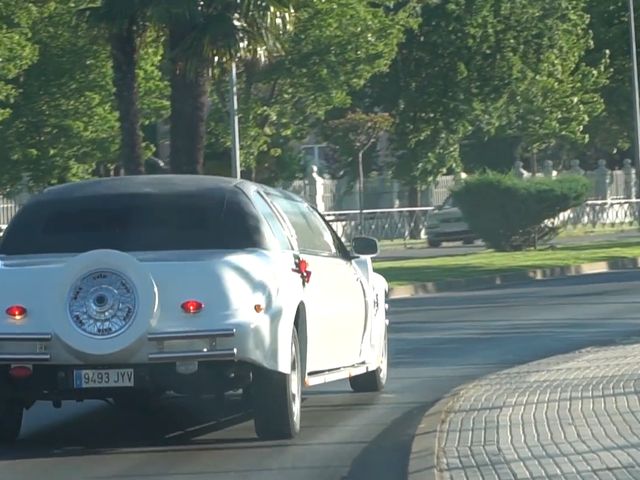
123,21
203,34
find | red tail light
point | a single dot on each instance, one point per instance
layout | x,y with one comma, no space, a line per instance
16,311
20,372
192,306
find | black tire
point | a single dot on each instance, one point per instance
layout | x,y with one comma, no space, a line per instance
11,413
469,241
375,380
277,399
434,243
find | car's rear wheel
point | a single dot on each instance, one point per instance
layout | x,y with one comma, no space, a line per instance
11,413
434,243
469,241
375,380
277,399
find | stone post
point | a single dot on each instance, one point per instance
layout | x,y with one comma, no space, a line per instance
395,184
575,168
21,193
316,189
547,169
519,171
629,179
602,177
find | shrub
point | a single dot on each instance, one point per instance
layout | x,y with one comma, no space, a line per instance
511,214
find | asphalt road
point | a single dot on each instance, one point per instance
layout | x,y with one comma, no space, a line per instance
437,343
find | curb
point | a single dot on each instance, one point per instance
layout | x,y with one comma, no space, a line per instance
477,283
422,460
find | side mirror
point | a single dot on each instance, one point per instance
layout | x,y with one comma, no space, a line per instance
365,246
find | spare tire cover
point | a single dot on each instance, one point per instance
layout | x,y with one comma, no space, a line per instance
109,303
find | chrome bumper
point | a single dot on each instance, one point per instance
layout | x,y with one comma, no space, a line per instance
209,353
229,354
41,355
38,356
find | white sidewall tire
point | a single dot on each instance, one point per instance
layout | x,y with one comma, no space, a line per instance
146,314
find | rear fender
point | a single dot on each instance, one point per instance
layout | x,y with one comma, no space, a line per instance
290,296
379,315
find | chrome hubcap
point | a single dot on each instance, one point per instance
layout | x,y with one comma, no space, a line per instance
295,385
384,360
102,304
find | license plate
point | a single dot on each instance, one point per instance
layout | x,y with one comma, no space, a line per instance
122,377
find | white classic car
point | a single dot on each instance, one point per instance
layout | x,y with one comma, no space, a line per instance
128,288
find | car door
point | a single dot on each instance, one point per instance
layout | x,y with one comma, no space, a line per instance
333,295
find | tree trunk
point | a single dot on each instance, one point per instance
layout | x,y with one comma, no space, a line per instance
124,55
189,101
534,163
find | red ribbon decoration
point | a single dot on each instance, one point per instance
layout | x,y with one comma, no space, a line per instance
302,268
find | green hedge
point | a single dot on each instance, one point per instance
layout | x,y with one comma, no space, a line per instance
511,214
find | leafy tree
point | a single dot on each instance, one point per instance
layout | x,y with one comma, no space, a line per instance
354,135
63,122
553,93
331,52
488,67
610,133
202,34
17,50
124,24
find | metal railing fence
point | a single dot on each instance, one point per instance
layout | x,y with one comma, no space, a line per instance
383,224
410,223
8,208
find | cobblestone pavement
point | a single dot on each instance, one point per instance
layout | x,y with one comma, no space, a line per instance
574,416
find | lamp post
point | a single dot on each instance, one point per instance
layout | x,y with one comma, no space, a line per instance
634,86
235,129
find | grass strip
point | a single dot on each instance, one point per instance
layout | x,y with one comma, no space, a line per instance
420,270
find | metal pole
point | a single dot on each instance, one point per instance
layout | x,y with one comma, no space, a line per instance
361,191
235,129
636,93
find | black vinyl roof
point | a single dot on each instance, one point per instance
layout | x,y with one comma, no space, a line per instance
137,213
145,184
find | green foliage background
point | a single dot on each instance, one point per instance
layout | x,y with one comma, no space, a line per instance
467,83
509,213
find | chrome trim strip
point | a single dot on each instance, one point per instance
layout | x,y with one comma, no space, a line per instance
26,337
25,357
229,354
191,335
333,375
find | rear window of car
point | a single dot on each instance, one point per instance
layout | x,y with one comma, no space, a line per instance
135,222
312,235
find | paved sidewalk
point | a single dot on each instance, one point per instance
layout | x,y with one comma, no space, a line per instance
574,416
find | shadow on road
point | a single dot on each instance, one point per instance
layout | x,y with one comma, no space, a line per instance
174,422
387,455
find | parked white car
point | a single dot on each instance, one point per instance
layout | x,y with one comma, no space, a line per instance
127,288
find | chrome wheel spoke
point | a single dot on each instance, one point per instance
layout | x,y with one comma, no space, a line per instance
102,304
295,385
